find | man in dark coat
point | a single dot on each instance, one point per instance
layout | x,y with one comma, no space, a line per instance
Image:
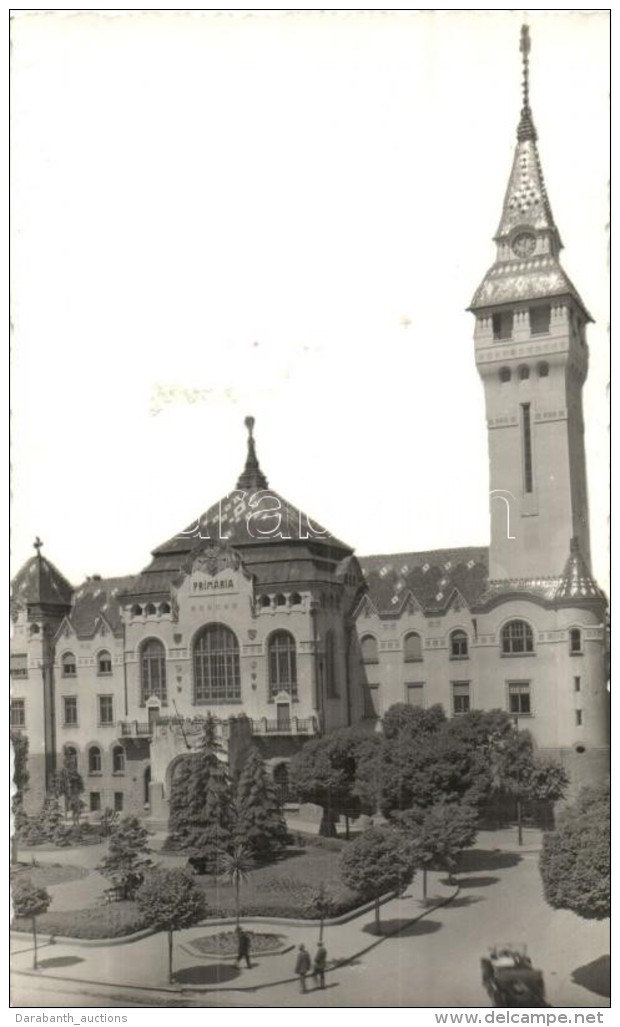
320,960
243,947
302,966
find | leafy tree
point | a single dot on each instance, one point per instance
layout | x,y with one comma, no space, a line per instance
325,770
439,836
30,901
236,865
51,820
320,905
68,782
412,720
21,778
109,820
378,861
127,860
170,900
575,862
259,821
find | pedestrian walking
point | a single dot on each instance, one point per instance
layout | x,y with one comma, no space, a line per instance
318,970
243,947
302,966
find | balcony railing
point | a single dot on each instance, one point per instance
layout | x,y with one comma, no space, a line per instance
294,726
134,729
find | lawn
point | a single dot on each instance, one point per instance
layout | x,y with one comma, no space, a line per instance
110,921
47,873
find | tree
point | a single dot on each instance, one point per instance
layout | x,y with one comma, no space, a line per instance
259,821
68,782
30,901
412,720
21,778
325,771
127,860
518,772
321,904
170,900
575,862
236,865
439,836
378,861
109,821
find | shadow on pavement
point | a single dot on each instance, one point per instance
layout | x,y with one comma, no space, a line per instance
218,973
475,882
466,900
60,961
595,976
488,859
401,927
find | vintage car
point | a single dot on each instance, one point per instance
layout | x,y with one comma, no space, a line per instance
511,980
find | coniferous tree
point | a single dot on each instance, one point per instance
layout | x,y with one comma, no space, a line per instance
127,860
259,821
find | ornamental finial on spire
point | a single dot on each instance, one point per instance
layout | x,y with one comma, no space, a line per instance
251,476
37,545
526,128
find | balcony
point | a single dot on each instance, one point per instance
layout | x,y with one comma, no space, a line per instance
292,726
134,729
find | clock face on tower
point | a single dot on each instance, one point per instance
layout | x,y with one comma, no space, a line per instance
524,244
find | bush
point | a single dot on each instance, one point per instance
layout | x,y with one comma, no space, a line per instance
113,921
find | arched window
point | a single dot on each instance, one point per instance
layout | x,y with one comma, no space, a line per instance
264,601
458,645
504,374
412,647
524,372
69,669
70,757
118,759
543,369
136,610
370,650
94,760
164,608
280,600
295,599
216,665
282,664
575,641
153,671
330,664
517,638
151,609
104,662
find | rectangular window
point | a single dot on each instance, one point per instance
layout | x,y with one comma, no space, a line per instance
577,684
540,320
526,428
19,665
18,713
460,697
118,802
519,700
502,326
106,710
579,717
414,691
95,802
371,702
70,711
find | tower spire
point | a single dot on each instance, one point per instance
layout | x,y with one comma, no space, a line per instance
526,129
251,476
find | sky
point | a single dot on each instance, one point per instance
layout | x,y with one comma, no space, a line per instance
282,215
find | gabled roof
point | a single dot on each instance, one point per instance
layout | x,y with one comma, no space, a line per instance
432,576
40,583
95,599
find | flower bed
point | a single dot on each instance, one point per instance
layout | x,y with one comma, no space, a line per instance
225,943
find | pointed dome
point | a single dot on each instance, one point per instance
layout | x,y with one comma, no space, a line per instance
577,581
38,582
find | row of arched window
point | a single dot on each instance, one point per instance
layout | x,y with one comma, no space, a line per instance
265,601
68,664
94,756
150,609
516,638
523,372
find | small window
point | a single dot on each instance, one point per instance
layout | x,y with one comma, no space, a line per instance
106,710
458,645
164,608
136,611
118,760
280,600
19,665
414,691
264,601
70,757
295,599
577,684
151,609
575,642
519,698
502,326
524,372
69,669
95,802
371,702
460,698
70,711
370,650
578,717
517,638
94,760
104,662
504,375
18,713
540,320
543,369
118,802
412,648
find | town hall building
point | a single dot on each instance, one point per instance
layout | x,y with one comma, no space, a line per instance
259,616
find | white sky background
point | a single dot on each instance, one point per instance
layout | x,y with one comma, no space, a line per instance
253,208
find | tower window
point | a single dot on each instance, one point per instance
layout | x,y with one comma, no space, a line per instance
517,638
524,372
526,427
543,369
575,642
502,326
577,684
504,375
578,717
540,320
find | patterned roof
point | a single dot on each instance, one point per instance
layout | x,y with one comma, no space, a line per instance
577,581
40,582
431,576
526,201
95,598
515,280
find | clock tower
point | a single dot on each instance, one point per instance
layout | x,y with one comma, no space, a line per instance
532,357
